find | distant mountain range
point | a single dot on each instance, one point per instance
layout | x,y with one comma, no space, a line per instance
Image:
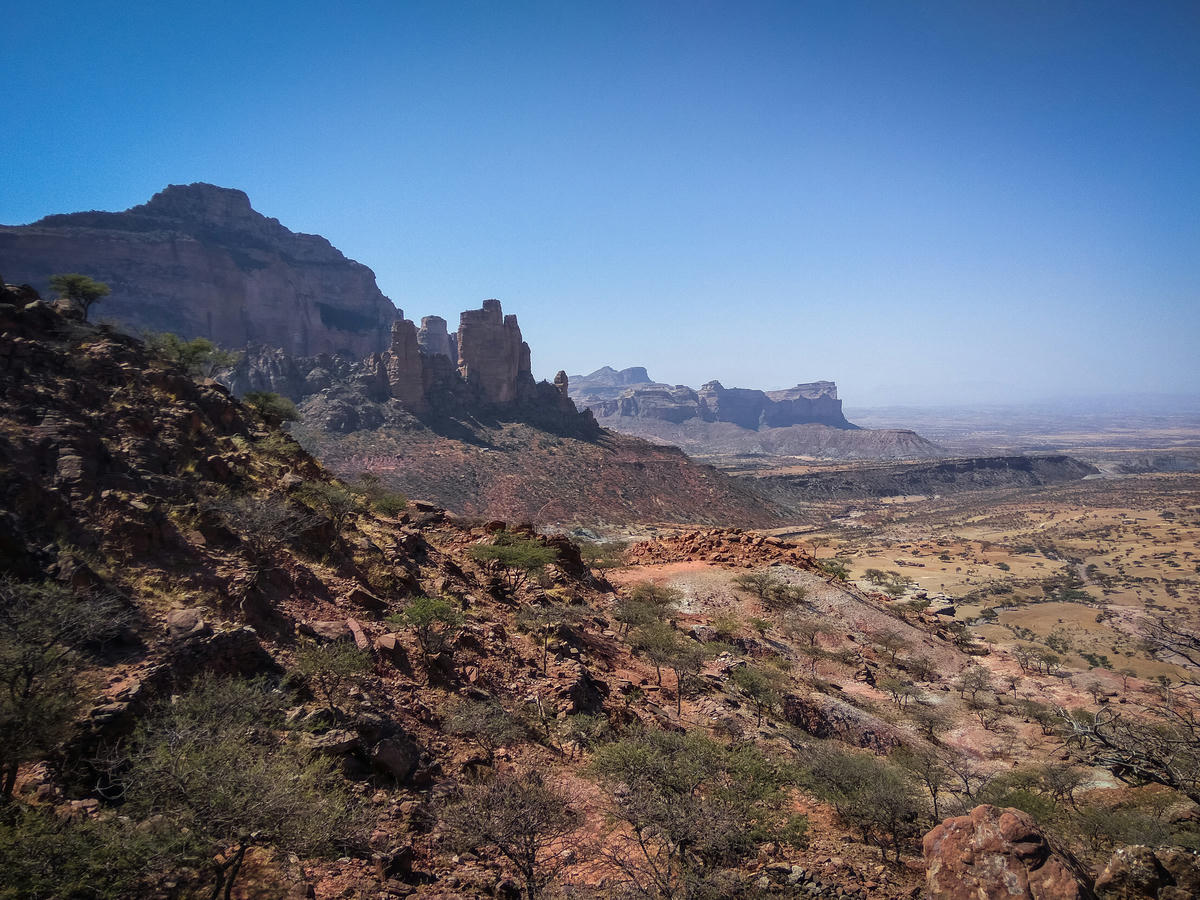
716,421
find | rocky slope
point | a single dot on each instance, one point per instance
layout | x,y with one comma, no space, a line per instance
225,551
719,423
198,261
125,477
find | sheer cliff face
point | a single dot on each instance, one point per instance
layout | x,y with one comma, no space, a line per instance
198,261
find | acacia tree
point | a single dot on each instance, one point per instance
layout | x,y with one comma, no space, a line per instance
543,619
433,620
80,289
512,559
666,647
772,591
485,723
199,356
870,795
331,670
759,686
529,822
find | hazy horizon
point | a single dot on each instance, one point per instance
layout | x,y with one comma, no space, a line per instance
924,202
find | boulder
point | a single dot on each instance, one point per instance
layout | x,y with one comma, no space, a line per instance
997,853
397,756
364,599
360,637
327,630
585,694
1140,873
185,623
389,647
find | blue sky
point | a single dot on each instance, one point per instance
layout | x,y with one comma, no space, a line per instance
920,200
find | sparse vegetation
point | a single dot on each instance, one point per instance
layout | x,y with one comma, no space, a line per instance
46,630
274,409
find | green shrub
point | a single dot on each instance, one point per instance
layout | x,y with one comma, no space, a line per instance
872,796
80,289
693,808
332,670
433,620
212,764
328,498
836,568
46,631
273,408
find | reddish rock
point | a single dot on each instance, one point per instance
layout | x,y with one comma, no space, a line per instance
997,853
397,756
360,636
491,355
403,363
327,630
390,648
364,599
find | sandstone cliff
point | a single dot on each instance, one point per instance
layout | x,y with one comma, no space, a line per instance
198,261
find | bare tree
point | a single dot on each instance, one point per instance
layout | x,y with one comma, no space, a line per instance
1160,744
529,822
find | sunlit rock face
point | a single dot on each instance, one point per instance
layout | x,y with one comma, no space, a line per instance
491,355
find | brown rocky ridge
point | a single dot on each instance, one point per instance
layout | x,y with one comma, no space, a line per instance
126,477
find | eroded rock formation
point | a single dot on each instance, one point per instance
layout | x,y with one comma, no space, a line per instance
491,355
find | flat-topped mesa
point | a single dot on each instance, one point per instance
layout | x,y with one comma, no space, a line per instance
492,358
814,390
199,261
631,394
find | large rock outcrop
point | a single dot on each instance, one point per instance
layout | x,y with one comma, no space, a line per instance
198,261
491,355
997,853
